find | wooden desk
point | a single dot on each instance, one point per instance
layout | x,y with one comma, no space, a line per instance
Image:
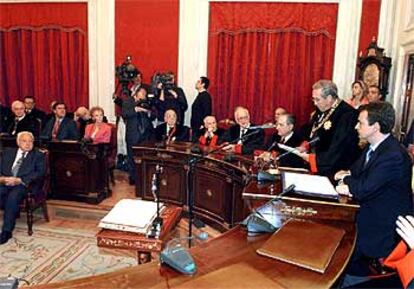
229,248
79,172
217,183
139,242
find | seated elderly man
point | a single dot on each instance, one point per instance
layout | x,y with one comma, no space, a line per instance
241,137
285,135
170,130
20,121
210,134
19,167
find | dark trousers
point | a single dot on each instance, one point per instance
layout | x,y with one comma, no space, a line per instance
131,164
10,199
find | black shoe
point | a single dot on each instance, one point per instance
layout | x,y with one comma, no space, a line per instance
5,236
131,182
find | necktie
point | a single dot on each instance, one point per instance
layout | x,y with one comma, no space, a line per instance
16,122
16,167
368,156
282,140
55,129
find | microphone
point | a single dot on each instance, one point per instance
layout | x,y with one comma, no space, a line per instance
263,126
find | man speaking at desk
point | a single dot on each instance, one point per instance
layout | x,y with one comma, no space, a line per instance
333,124
18,168
380,180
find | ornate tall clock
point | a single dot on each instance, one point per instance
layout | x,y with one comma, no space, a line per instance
374,67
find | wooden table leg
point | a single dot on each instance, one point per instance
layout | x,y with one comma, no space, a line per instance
143,257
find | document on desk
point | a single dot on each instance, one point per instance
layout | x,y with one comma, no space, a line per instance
130,216
312,185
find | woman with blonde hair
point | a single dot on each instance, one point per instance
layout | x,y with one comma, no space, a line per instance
98,131
359,94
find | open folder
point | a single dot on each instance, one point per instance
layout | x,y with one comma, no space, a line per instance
303,243
312,185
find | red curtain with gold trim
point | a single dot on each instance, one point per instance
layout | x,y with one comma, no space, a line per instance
265,55
43,52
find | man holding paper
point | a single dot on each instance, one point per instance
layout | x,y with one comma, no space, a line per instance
380,180
333,125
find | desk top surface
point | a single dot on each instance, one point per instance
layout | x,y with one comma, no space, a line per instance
232,247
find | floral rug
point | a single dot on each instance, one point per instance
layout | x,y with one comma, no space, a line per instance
51,255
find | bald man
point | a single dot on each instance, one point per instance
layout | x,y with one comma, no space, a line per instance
236,135
20,121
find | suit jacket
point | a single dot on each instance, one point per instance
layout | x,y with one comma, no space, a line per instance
254,142
102,136
32,167
138,124
28,123
337,148
289,160
200,109
180,133
39,114
67,129
383,189
5,115
179,104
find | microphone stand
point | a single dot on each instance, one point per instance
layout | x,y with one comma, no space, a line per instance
192,162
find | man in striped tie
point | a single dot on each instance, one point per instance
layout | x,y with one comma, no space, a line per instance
19,167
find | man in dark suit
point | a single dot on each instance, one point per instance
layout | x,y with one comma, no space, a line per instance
5,115
170,96
32,111
170,130
137,116
333,124
380,180
286,135
202,104
238,132
20,121
60,127
19,167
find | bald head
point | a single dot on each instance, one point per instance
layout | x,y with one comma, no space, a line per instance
242,116
18,108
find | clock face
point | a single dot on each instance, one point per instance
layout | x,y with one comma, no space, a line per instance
371,75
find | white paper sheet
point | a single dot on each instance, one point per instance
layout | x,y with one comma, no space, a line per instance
311,184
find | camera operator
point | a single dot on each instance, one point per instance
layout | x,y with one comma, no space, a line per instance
169,96
136,111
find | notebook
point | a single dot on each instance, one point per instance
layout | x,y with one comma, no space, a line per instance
303,243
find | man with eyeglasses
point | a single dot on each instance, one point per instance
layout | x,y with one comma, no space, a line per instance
331,128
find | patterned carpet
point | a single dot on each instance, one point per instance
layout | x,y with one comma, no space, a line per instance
57,254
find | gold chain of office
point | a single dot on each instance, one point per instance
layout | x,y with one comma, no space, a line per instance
316,126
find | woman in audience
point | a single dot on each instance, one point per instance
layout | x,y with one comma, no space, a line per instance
359,94
98,131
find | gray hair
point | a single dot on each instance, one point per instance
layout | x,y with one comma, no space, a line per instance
22,133
327,88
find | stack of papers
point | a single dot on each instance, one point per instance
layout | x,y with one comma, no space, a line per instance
315,185
131,216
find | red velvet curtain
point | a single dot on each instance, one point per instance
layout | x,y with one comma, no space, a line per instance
46,58
265,55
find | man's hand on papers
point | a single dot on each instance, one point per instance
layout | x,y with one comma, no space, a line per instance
405,228
343,190
339,176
